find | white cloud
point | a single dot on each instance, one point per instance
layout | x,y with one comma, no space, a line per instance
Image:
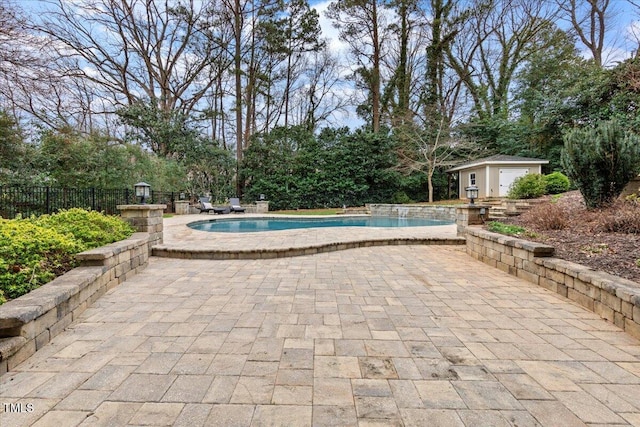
329,32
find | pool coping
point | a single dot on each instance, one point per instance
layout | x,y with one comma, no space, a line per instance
181,241
166,251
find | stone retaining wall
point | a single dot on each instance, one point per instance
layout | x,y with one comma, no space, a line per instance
443,212
31,321
612,298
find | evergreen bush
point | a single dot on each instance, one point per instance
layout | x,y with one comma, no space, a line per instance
33,251
557,183
31,255
528,186
601,161
90,229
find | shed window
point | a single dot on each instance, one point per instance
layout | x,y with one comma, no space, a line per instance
472,178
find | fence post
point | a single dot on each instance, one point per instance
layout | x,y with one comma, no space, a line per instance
93,198
48,201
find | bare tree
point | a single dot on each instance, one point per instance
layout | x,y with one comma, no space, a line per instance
498,37
135,49
361,25
635,4
24,71
14,52
589,20
320,96
425,148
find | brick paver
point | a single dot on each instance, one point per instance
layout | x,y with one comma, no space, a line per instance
416,335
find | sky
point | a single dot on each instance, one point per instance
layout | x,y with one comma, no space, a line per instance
620,43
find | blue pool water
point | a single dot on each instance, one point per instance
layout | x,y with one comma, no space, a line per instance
248,225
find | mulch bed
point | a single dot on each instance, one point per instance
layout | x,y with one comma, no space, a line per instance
580,240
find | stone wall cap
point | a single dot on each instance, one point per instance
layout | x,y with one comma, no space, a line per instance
538,249
105,252
18,314
34,304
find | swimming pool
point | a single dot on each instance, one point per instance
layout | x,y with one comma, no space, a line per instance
249,225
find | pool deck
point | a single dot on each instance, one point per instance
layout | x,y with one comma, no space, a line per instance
181,241
417,335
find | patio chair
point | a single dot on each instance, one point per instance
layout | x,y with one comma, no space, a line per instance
234,203
205,205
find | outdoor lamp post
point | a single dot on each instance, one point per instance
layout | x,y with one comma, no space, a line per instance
262,197
143,190
472,193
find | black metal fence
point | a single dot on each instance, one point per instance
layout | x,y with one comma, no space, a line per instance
27,201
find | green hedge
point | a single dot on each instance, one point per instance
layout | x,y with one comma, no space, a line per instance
33,251
534,185
557,183
528,186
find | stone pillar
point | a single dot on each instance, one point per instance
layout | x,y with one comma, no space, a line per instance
262,206
470,215
146,219
512,207
182,207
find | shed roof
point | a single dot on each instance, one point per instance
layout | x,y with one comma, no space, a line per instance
499,159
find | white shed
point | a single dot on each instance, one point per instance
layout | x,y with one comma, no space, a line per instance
494,175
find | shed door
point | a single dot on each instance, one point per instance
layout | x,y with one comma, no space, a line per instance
507,176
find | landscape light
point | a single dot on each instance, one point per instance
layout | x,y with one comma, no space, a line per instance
472,193
143,190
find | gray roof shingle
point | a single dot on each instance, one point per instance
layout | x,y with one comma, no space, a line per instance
498,158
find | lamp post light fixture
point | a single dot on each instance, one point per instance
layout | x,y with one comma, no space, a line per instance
472,193
262,197
143,190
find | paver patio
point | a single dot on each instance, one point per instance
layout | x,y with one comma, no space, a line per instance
396,335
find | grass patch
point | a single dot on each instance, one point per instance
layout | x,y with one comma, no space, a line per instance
595,249
508,229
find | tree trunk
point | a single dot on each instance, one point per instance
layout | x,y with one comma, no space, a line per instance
238,80
375,74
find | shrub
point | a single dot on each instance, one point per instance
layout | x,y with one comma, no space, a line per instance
34,251
401,197
31,255
508,229
547,216
528,186
601,161
90,229
622,217
556,183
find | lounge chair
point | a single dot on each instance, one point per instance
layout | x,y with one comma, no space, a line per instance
234,203
206,206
